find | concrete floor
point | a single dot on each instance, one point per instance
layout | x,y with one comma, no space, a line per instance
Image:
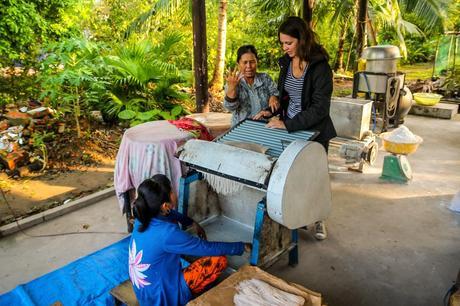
388,244
24,258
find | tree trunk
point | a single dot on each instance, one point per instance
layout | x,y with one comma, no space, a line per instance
307,11
76,112
217,81
339,58
372,36
350,50
360,30
200,55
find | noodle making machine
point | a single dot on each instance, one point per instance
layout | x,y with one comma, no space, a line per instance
270,183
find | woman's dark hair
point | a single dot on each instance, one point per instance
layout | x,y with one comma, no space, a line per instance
246,49
308,41
150,196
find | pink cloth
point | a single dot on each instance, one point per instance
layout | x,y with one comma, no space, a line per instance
145,150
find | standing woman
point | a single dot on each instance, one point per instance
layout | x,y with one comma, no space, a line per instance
305,86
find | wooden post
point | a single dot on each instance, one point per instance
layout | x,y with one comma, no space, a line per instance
200,55
372,36
360,30
307,13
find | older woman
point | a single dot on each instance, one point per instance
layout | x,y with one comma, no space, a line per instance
247,91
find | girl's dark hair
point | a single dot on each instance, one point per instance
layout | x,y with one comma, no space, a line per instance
150,196
308,41
164,182
246,49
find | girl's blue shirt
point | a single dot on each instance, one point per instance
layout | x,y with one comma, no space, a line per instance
154,259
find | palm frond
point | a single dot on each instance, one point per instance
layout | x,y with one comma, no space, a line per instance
342,13
431,11
161,9
411,28
168,7
287,7
166,67
167,43
139,22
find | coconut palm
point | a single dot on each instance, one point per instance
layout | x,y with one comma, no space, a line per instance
382,14
390,13
217,80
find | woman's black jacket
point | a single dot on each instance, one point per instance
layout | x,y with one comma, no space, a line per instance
316,99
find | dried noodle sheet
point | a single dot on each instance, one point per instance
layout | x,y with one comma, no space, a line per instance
222,185
255,292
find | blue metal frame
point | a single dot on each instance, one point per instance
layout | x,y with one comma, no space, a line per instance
258,224
184,191
294,253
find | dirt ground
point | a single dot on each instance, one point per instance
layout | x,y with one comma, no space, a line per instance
76,167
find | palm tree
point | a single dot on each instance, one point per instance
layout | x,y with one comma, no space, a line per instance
217,81
382,14
390,13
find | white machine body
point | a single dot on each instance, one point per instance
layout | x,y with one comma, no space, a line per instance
299,191
297,185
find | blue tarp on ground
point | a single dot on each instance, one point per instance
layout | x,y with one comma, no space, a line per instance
86,281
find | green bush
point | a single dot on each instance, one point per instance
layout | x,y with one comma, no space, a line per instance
144,78
73,77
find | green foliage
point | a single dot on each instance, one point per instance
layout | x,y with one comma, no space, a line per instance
25,25
418,71
5,99
138,117
144,78
39,140
247,24
452,21
451,85
420,50
73,78
18,84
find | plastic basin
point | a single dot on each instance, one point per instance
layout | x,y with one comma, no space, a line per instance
400,148
427,99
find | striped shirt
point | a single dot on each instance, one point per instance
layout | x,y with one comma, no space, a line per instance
293,87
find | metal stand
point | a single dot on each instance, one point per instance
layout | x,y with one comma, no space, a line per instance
258,224
261,210
386,87
184,191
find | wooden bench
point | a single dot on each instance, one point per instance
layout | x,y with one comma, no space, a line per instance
124,294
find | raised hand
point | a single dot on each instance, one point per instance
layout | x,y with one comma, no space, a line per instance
233,79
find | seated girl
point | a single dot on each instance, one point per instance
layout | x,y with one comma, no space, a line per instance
157,243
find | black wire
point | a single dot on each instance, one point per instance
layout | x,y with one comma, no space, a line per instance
49,235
